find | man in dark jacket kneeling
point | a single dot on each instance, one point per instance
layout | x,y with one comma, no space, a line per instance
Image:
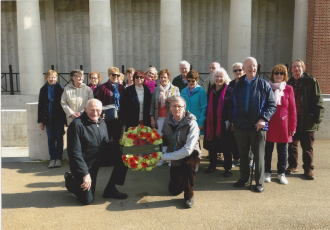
87,139
181,147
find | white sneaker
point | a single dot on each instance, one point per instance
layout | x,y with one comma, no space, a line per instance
268,178
51,164
160,163
169,164
282,178
58,163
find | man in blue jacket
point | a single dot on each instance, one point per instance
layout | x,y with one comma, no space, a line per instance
252,106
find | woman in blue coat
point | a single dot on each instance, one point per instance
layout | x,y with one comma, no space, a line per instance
196,99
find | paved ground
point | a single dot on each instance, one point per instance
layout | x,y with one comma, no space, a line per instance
34,197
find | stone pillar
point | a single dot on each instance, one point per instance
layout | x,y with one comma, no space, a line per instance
100,37
300,30
239,44
50,35
170,36
30,55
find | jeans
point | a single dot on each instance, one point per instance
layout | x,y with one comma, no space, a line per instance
55,140
281,154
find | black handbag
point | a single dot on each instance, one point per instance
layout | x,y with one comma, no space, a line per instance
109,112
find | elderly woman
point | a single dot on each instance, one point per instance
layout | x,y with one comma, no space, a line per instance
52,116
75,96
238,72
95,78
136,102
110,94
151,77
196,99
217,136
282,125
129,76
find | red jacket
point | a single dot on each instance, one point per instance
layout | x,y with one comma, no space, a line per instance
105,94
284,119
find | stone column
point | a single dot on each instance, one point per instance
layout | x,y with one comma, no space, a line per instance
170,36
100,37
239,44
300,30
29,46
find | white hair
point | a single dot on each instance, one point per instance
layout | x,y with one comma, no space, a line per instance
178,98
217,65
185,63
251,58
224,72
98,102
237,64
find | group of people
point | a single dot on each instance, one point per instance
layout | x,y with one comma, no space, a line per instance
232,115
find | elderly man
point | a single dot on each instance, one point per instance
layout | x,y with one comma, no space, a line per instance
181,146
309,104
253,105
210,80
87,139
181,80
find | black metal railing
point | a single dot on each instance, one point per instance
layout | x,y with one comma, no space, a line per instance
10,81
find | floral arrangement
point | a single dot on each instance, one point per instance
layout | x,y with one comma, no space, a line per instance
141,135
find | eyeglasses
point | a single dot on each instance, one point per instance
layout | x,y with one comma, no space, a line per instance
193,81
278,73
115,75
177,106
93,78
237,70
139,77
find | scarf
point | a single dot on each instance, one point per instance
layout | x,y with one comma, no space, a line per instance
51,100
116,94
184,81
209,133
190,92
278,91
162,94
93,87
150,84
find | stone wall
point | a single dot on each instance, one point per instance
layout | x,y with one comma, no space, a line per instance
14,128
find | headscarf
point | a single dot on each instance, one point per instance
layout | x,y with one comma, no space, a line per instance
51,99
162,94
278,91
116,94
209,133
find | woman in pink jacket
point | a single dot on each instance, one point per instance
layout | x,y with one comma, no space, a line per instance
282,125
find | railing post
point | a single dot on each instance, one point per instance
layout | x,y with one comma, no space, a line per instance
123,69
52,67
191,67
11,80
81,68
258,71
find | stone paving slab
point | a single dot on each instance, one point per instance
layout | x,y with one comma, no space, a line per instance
34,197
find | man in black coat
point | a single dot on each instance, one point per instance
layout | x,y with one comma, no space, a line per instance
87,140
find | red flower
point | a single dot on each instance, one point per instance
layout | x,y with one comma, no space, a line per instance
148,136
142,134
142,126
133,165
131,160
158,136
152,141
144,164
133,128
124,158
135,137
129,135
136,158
154,130
146,157
154,155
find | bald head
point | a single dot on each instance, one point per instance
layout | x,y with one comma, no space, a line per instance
93,109
250,67
214,66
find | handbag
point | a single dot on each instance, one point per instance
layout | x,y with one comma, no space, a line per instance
109,112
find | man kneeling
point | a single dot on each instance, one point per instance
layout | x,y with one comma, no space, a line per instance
181,147
87,137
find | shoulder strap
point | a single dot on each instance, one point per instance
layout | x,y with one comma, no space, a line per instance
172,91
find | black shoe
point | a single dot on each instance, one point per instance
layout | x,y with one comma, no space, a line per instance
68,176
189,203
259,188
227,173
210,169
241,183
114,193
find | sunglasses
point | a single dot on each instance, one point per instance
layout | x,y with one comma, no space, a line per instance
115,75
139,77
237,70
279,73
193,81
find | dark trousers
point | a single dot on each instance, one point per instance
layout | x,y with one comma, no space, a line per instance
255,140
55,140
117,178
281,156
227,162
183,177
233,145
114,129
306,141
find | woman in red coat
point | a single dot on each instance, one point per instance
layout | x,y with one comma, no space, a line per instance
282,125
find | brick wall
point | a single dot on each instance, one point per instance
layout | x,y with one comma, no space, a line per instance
318,42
